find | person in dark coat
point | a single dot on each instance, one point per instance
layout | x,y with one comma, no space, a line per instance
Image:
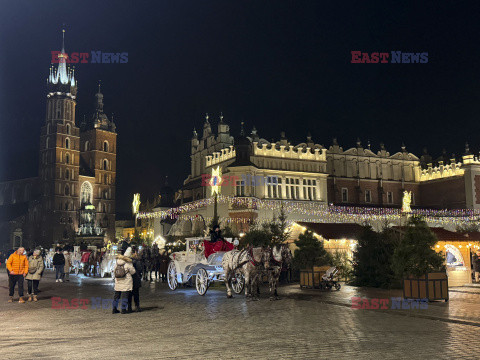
216,234
137,282
124,245
59,264
476,265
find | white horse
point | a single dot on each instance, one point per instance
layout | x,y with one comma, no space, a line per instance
76,259
250,263
280,256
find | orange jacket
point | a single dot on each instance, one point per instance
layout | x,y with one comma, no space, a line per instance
18,264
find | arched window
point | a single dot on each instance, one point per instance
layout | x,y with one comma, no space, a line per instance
105,164
67,158
87,144
48,128
69,129
67,192
104,208
67,143
47,143
86,193
67,174
105,146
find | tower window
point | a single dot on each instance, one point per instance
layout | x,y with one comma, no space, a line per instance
105,164
47,143
67,143
48,128
69,129
67,158
67,174
86,146
105,146
67,191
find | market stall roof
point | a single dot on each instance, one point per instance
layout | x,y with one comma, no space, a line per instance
446,235
334,231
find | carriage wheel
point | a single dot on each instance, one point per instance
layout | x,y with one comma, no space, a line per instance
172,276
337,286
201,281
238,283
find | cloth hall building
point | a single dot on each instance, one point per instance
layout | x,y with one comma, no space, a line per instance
308,176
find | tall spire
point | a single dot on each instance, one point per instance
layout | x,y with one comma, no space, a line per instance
61,78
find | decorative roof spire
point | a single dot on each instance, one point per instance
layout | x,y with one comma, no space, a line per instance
359,143
404,148
242,131
467,148
368,145
206,118
221,117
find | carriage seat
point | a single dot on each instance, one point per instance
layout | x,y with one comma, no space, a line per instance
219,246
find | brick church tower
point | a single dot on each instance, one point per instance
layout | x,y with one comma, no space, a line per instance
77,166
98,141
59,155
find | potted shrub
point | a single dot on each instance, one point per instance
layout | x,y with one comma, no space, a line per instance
311,259
416,262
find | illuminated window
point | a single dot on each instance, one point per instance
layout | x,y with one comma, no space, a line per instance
105,164
105,146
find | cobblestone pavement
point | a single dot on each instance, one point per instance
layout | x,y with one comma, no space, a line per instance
304,324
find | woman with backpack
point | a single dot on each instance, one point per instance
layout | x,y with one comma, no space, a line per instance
35,271
123,280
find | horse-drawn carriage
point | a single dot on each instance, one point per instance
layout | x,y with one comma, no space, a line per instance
192,263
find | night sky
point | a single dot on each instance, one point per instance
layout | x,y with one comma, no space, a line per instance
278,65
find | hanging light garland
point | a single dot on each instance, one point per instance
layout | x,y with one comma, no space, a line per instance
315,212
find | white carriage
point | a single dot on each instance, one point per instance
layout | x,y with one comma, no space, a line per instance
192,263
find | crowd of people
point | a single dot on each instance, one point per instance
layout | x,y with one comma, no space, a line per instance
29,265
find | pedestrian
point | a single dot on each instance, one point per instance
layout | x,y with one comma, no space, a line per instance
68,264
165,259
476,265
123,280
35,271
124,245
59,264
137,282
17,266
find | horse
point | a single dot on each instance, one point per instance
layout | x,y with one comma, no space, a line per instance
90,267
280,258
250,263
147,262
76,260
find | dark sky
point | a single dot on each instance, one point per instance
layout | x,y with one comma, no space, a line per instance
278,65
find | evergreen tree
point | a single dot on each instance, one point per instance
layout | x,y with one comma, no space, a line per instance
310,252
344,265
372,259
256,237
414,254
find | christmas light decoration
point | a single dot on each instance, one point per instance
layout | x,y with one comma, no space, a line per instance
316,212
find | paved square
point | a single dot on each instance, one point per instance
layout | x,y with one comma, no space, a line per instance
305,324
